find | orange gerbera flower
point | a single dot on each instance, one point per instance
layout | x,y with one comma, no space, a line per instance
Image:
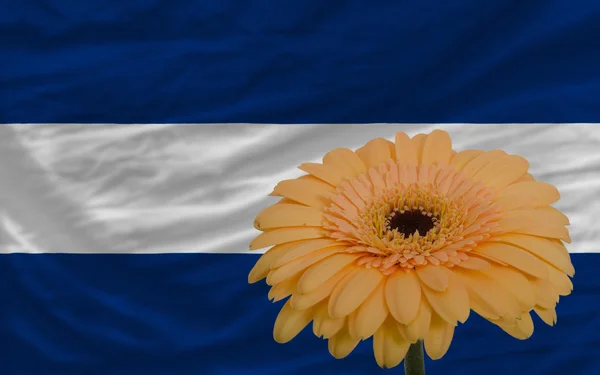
400,241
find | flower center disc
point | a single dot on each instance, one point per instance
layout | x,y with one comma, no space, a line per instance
401,215
409,222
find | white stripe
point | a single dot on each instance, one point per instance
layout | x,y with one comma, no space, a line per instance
196,188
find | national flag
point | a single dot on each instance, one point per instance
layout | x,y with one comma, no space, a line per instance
140,139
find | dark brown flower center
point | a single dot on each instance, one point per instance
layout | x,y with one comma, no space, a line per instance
409,222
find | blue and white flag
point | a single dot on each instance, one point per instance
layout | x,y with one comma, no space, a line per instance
140,139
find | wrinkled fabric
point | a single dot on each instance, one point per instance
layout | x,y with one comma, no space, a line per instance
72,194
161,61
197,188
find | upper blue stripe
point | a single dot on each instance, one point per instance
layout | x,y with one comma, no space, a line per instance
153,61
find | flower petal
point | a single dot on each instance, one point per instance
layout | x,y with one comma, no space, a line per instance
392,176
522,329
525,219
535,222
288,215
345,160
304,248
554,213
545,294
325,326
352,195
342,344
377,180
529,194
363,187
462,158
353,290
403,295
453,304
516,167
375,152
513,282
418,142
547,315
514,256
407,173
501,172
283,289
560,281
283,235
288,270
426,174
389,346
526,178
352,325
372,313
418,328
487,297
474,263
482,308
303,301
290,322
437,148
322,271
482,160
439,337
327,173
263,266
405,150
343,207
550,251
434,277
307,190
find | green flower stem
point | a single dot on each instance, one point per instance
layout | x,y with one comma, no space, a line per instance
414,362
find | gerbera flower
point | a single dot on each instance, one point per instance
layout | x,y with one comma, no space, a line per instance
400,241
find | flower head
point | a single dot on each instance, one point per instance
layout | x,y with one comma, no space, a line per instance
399,241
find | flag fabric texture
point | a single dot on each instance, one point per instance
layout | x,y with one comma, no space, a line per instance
138,141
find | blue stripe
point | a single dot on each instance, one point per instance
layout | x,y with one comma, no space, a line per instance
141,61
195,314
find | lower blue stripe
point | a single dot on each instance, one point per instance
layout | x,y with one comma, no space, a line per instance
195,314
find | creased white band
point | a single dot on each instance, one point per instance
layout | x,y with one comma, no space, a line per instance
146,188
